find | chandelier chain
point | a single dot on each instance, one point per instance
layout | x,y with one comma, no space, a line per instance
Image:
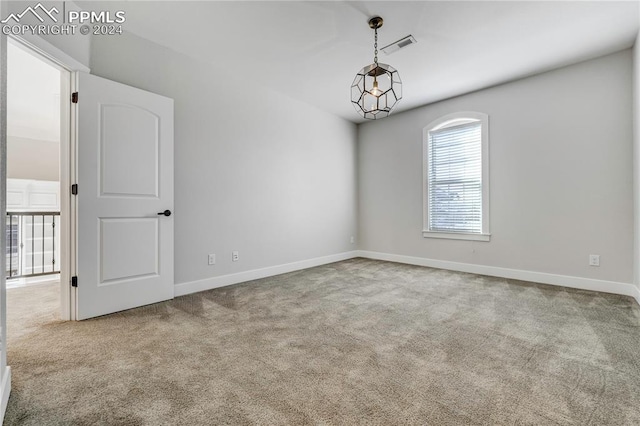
375,47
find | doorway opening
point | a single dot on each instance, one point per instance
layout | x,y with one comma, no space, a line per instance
37,228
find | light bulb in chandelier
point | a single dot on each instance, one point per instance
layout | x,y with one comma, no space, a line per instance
377,87
376,91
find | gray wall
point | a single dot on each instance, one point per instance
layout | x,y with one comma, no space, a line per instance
255,171
561,175
32,159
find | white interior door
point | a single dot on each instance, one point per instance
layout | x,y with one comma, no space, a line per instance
124,246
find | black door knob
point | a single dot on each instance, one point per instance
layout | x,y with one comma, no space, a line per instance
165,213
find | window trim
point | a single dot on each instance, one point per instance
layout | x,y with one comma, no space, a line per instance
453,119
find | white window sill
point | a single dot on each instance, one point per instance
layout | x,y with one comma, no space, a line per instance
456,236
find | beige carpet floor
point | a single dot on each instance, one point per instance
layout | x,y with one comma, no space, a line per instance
354,342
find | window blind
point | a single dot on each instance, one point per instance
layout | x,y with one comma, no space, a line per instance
455,178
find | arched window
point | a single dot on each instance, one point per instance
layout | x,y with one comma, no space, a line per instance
456,177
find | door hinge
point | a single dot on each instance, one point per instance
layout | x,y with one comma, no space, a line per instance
74,281
74,97
74,189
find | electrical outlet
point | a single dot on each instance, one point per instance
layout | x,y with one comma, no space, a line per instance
594,260
235,256
353,239
212,259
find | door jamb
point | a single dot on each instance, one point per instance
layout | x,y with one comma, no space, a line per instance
68,67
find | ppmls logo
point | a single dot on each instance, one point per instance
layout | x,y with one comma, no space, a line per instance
83,21
34,11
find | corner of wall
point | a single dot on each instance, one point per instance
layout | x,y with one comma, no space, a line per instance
5,371
358,230
636,163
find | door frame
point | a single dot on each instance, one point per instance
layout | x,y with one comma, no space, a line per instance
68,144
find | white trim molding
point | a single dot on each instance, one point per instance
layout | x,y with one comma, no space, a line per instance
494,271
517,274
255,274
5,391
455,236
50,52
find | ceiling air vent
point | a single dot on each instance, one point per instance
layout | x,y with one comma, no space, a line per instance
400,44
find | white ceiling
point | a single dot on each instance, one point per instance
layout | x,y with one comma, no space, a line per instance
312,50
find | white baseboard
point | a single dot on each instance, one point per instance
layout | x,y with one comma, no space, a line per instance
517,274
255,274
494,271
5,390
636,294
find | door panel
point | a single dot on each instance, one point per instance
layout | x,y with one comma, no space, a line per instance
125,177
129,142
128,248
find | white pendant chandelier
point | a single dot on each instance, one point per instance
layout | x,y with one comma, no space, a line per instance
377,87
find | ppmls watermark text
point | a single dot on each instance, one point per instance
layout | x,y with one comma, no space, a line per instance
50,21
